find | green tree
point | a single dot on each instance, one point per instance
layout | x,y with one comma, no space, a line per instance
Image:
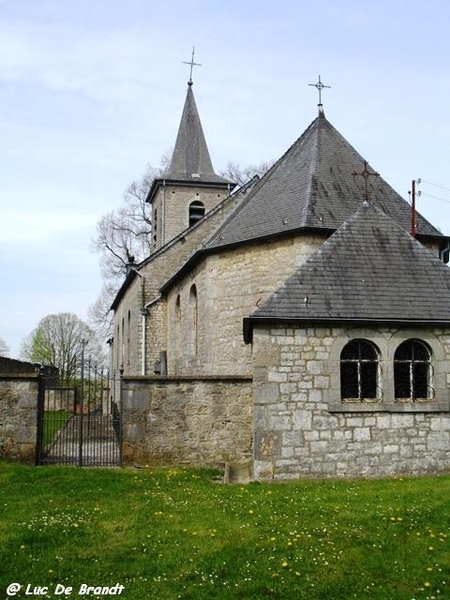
59,340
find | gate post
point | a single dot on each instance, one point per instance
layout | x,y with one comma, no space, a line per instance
121,416
81,406
40,415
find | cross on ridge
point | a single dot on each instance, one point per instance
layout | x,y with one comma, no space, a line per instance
319,85
192,63
366,174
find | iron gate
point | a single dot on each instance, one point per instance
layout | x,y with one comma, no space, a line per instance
78,425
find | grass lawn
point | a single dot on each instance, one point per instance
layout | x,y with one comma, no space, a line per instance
167,534
54,421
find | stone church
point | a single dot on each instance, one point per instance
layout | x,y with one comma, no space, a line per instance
293,327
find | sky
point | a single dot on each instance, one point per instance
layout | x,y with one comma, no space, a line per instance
91,94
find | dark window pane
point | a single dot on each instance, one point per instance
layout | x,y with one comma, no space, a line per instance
367,351
369,380
402,380
404,351
420,351
350,351
420,378
349,380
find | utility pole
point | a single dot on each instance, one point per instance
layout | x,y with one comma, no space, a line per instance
413,209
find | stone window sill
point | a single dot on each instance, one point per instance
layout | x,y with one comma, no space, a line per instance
388,407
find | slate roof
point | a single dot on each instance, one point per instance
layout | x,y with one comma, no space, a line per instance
369,270
191,162
312,187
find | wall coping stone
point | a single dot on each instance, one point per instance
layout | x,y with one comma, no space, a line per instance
178,378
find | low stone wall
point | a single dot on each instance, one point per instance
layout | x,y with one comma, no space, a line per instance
18,416
303,429
187,421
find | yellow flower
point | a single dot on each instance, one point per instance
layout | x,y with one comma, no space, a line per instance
284,564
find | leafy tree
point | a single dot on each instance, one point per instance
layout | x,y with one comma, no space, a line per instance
59,340
4,348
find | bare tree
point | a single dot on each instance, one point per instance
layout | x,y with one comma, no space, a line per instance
4,348
99,312
241,175
124,235
59,340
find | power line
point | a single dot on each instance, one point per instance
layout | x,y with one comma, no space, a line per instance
435,197
435,184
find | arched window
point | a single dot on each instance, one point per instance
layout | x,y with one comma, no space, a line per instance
178,309
412,372
193,320
196,212
360,372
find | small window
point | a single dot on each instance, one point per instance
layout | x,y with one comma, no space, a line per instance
360,367
196,212
412,372
192,322
178,309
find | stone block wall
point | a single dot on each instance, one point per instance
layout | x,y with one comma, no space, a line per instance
156,270
230,285
302,429
187,421
18,416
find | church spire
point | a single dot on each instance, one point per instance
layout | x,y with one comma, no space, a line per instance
190,159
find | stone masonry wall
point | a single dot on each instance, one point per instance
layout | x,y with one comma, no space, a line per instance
18,406
156,270
303,430
172,207
187,421
230,286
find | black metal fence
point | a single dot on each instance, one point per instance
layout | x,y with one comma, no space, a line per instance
80,424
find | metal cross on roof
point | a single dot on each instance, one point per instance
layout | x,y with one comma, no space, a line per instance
366,174
193,64
319,85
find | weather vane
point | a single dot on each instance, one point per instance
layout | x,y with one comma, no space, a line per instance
365,173
192,64
319,85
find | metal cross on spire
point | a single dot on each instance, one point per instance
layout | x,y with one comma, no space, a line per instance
366,174
193,64
319,85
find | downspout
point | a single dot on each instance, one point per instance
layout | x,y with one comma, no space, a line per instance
163,216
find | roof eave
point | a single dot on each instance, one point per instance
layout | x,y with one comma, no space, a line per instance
250,322
123,288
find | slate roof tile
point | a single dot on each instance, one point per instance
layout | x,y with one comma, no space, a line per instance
312,186
370,269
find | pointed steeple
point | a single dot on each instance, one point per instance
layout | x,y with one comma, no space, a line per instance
191,160
190,188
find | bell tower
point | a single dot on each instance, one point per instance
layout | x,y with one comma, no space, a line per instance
190,188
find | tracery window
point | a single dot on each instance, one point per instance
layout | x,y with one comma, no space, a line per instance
360,372
413,372
196,212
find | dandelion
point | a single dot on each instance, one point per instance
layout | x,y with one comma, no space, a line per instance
284,564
